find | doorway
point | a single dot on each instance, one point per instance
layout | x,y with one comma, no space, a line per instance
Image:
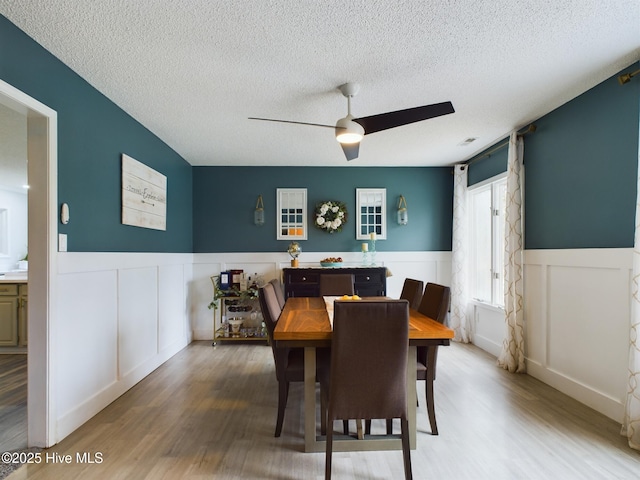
42,248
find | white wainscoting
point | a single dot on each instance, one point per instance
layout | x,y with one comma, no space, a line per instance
487,327
577,313
120,316
425,266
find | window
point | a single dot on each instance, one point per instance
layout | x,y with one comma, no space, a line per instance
487,204
4,232
292,214
372,204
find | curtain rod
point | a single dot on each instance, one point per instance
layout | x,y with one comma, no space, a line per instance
530,129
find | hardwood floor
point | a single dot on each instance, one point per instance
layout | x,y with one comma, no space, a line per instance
210,413
13,402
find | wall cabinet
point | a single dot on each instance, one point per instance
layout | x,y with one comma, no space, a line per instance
13,314
305,282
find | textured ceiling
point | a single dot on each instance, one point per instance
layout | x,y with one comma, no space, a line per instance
193,71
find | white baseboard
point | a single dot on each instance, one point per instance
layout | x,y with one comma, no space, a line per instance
599,401
73,419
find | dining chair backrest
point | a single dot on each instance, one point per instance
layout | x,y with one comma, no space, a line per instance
369,350
367,379
435,305
336,284
412,292
270,308
435,302
277,287
289,362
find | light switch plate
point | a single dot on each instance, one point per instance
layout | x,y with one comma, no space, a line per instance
62,242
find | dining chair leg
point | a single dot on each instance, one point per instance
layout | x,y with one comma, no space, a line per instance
345,427
283,394
323,411
431,410
328,453
367,426
406,450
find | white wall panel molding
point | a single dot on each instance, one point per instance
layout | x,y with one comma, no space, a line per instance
123,314
76,262
487,327
91,405
577,307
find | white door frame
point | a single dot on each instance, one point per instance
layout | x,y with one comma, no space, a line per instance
42,153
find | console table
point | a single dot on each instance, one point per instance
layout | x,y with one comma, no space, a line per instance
305,282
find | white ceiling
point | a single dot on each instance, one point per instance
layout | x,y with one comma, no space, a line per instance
193,71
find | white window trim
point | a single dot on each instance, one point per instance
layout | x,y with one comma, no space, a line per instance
494,302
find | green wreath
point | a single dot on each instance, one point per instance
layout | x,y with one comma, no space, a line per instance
331,216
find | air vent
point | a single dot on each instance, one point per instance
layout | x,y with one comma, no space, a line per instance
467,141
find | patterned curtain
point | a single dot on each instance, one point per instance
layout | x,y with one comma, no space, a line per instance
458,317
631,424
512,356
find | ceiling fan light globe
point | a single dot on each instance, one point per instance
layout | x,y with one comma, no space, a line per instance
348,138
348,131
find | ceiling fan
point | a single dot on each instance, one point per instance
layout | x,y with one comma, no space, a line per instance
350,130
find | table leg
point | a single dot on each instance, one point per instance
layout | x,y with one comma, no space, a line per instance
311,441
310,399
412,395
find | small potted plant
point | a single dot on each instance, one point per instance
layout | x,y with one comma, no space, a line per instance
24,263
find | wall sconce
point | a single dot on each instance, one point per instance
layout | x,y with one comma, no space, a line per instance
64,213
258,215
403,214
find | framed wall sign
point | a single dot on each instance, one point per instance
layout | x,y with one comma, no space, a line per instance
371,214
292,213
144,195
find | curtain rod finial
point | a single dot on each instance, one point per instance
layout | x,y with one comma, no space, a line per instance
626,77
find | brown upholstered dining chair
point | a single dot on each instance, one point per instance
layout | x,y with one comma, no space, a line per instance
412,292
289,362
435,305
277,287
333,285
367,378
338,284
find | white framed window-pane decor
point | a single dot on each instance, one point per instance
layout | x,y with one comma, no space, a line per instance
292,213
372,213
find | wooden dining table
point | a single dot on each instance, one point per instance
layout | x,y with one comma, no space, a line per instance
304,322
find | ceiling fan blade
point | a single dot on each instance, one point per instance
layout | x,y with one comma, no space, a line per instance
385,121
350,150
291,121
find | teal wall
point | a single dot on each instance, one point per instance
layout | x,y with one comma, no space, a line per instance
581,169
484,166
93,132
224,200
580,175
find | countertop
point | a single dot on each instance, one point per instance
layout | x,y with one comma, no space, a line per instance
14,278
